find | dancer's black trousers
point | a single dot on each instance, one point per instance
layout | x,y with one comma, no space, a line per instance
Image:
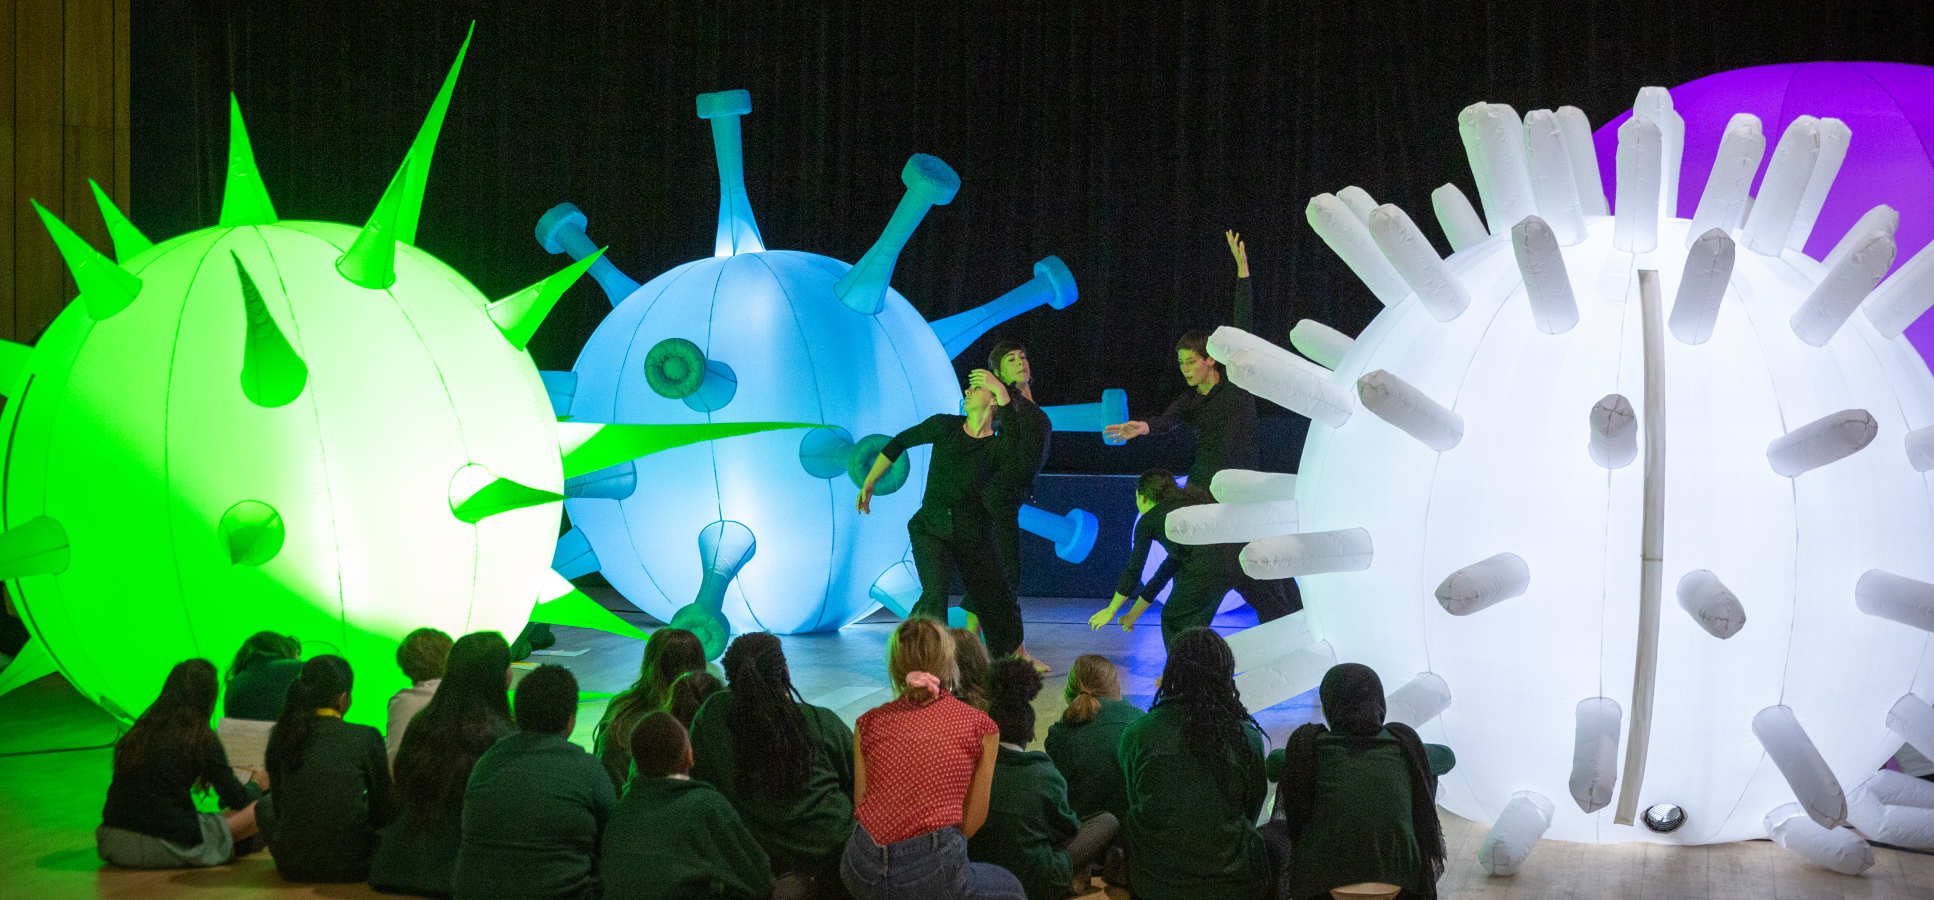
969,550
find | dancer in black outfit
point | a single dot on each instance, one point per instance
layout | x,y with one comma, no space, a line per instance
1025,434
1223,418
1202,573
952,530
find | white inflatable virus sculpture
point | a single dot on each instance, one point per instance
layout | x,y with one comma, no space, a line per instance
1632,511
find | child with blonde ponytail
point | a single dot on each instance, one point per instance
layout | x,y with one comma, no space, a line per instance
1085,744
923,765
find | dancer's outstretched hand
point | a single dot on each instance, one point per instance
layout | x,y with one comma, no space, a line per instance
865,503
1128,621
1125,430
1240,251
1101,619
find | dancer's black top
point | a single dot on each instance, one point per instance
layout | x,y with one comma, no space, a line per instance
1025,435
1205,560
1224,419
956,475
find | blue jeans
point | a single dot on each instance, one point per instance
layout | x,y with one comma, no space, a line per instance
923,867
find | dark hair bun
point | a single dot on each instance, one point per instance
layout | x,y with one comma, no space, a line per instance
1013,680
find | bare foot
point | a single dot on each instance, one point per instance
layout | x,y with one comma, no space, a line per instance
1039,666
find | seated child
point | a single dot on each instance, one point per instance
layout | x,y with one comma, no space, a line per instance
671,836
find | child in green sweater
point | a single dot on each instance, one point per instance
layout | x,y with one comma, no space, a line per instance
1030,829
1086,743
672,836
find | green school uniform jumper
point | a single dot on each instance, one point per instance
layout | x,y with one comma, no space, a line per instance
1089,756
1191,822
675,837
806,832
1028,819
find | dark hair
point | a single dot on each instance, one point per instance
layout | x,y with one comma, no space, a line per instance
970,668
469,711
669,653
1000,352
547,698
261,647
658,745
773,752
1201,677
1012,684
1091,678
689,692
1159,486
421,654
179,717
323,679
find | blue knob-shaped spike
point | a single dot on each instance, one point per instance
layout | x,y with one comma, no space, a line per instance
1052,285
738,231
930,183
1112,409
561,230
1073,535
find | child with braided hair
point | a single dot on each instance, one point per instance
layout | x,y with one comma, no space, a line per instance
1030,830
1194,771
786,765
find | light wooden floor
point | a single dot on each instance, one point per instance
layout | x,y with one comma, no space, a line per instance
50,801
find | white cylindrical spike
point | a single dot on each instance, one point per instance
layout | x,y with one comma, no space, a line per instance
1494,143
1246,486
1709,269
1307,553
1594,753
1829,438
1881,218
1894,808
1845,285
1899,300
1400,403
1800,763
1552,184
1838,849
1920,448
1359,202
1912,719
1723,203
1350,240
1636,220
1418,701
1484,584
1542,267
1711,604
1655,105
1231,523
1407,249
1781,189
1614,439
1834,138
1289,381
1896,598
1515,832
1577,132
1324,345
1455,216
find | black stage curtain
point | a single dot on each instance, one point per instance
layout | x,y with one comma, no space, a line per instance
1122,136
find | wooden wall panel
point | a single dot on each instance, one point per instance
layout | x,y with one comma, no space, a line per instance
67,120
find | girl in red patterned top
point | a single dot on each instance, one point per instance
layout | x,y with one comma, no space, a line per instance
923,764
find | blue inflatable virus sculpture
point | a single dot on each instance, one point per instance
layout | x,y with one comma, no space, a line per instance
751,334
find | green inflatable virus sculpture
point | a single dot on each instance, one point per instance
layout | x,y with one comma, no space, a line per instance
296,426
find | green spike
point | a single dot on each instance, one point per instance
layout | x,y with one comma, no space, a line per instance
105,287
253,531
574,608
519,315
245,199
14,361
588,448
500,496
31,664
273,374
35,547
424,147
371,261
129,242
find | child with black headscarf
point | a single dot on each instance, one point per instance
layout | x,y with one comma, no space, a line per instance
1358,798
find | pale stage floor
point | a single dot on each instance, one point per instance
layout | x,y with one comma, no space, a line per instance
51,801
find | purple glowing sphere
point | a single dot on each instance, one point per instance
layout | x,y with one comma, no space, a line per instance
1888,106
